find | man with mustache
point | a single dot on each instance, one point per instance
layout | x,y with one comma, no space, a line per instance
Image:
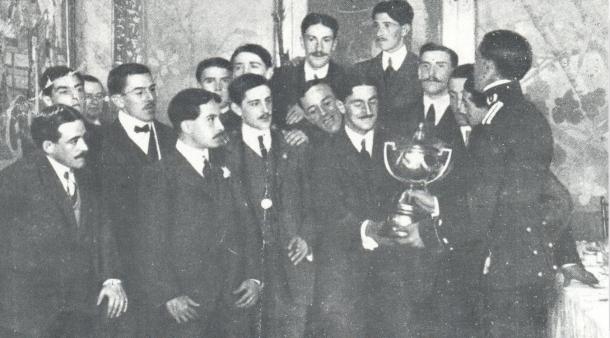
132,141
59,247
275,184
189,230
395,68
319,39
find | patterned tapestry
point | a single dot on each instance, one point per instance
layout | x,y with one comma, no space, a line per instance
568,83
129,31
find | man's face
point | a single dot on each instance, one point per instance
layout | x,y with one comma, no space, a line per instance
484,72
389,33
139,97
474,114
94,98
216,80
322,109
361,109
71,148
434,71
206,131
256,107
319,42
248,63
67,90
456,90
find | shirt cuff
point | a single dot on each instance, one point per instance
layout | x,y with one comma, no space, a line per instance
112,282
368,243
309,257
567,265
255,281
437,209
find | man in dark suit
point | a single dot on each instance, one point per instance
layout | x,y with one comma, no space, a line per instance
274,179
214,75
319,38
133,140
188,229
59,248
395,68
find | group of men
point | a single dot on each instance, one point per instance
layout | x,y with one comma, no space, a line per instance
260,212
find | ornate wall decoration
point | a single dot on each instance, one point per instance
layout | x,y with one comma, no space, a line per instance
129,31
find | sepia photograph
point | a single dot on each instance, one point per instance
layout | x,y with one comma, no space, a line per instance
304,168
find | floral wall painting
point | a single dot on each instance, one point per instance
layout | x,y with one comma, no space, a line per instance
128,31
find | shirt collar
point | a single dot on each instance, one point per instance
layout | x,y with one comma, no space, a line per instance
440,106
356,139
194,156
129,122
250,137
495,84
398,57
225,109
60,170
311,73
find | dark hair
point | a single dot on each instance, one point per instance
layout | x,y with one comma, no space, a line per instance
45,124
212,62
51,74
117,78
243,83
254,49
185,105
400,11
312,83
433,47
463,71
354,80
317,18
477,97
91,78
510,52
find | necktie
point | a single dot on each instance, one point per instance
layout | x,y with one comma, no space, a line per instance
466,136
261,144
153,153
71,188
363,153
431,116
389,71
207,168
144,129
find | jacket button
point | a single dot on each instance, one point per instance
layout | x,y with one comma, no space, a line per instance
539,274
550,245
535,252
528,229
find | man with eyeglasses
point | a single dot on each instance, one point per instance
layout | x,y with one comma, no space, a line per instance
96,111
132,141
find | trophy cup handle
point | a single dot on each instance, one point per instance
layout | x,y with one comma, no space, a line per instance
388,167
443,169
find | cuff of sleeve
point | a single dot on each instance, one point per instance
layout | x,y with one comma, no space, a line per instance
309,257
437,209
112,281
567,265
256,281
368,243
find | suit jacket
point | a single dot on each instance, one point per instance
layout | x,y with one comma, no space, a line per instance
290,196
401,92
188,232
121,163
50,262
288,83
511,158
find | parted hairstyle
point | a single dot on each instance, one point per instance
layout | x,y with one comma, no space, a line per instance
45,124
117,78
185,105
51,74
399,10
243,83
432,47
354,80
212,62
317,18
510,52
254,49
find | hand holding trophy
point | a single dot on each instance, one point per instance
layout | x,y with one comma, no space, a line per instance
416,163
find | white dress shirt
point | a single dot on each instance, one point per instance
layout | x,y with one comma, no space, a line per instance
356,139
440,106
465,130
311,73
194,156
250,137
140,139
398,57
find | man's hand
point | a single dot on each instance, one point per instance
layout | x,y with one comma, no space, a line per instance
423,199
295,137
578,272
297,250
372,230
295,114
251,291
182,309
117,299
413,239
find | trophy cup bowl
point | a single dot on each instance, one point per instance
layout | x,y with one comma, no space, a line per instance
416,163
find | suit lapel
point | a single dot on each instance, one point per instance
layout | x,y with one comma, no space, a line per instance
54,189
121,137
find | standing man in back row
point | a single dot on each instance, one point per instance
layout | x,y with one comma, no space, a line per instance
394,69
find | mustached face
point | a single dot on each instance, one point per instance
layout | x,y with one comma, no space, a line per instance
434,71
319,42
206,131
389,34
94,98
139,97
361,109
71,148
255,109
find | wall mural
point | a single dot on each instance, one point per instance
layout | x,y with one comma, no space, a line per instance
568,83
128,31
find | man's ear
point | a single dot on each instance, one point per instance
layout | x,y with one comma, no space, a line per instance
47,100
341,106
185,126
405,29
48,147
118,100
335,43
236,108
269,73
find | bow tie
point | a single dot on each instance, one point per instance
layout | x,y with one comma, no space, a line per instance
144,129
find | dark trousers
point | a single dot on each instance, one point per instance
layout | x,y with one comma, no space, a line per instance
519,312
72,324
